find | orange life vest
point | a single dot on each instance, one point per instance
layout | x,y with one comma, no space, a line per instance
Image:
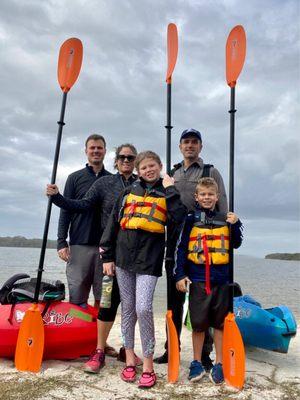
147,212
209,243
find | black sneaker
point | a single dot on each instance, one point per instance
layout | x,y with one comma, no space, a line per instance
206,362
163,359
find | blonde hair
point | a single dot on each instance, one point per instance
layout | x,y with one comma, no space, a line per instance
146,154
207,182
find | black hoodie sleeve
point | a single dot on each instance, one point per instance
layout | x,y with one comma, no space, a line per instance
65,217
109,237
237,234
92,197
176,211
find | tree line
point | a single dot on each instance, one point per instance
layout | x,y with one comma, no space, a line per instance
21,241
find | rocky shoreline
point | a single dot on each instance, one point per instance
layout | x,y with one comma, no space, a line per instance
269,376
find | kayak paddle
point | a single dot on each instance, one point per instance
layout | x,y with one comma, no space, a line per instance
30,343
173,344
233,346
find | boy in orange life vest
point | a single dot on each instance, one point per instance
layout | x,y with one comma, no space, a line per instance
133,246
202,259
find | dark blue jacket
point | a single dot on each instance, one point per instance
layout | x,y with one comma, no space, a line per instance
82,228
196,272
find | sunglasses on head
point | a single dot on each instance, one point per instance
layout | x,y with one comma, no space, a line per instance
123,157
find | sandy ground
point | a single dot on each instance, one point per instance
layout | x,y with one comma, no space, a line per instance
269,376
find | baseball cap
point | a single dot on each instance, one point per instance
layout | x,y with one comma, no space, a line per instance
191,132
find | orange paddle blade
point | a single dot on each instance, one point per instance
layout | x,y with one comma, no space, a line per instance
235,54
173,349
30,344
172,50
69,63
233,353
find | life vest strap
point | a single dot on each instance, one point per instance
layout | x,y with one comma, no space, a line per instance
199,250
211,237
149,217
200,224
207,266
146,204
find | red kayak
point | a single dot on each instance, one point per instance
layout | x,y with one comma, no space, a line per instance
70,331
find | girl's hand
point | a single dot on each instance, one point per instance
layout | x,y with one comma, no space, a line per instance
167,181
183,285
51,190
232,218
109,268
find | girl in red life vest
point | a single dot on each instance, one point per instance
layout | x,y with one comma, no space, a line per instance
133,246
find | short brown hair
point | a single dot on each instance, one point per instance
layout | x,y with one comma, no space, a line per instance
122,146
94,136
146,154
207,182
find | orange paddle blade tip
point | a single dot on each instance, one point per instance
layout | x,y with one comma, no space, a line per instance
173,349
233,354
69,63
172,39
235,54
30,343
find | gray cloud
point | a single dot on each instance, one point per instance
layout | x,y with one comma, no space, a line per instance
121,93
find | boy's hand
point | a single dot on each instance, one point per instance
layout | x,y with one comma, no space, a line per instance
51,190
167,181
232,218
183,285
109,268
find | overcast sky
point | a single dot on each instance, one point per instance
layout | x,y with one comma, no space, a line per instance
121,93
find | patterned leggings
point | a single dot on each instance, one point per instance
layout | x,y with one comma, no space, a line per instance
136,292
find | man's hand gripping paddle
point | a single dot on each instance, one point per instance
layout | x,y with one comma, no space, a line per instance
30,343
173,344
233,346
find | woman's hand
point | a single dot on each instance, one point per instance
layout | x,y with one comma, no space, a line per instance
183,285
109,268
51,190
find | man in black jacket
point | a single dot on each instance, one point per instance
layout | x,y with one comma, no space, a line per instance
84,229
186,175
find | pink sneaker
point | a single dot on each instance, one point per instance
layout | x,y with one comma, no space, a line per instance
95,362
128,374
147,380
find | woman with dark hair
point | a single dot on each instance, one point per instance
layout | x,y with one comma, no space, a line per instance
103,194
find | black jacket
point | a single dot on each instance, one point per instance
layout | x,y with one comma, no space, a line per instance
81,228
137,250
101,195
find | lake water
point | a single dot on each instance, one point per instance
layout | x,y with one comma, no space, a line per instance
271,282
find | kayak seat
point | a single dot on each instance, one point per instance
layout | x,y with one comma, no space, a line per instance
22,290
8,285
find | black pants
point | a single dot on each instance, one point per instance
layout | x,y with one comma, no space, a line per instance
177,302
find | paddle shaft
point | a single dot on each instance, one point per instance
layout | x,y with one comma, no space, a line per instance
49,207
168,129
232,112
168,162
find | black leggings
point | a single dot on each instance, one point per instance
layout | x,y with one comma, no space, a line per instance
109,314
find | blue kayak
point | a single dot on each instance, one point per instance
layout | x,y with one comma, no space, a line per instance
270,328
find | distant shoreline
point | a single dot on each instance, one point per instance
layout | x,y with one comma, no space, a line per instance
21,241
284,256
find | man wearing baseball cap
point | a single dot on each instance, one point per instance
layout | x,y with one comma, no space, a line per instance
187,174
